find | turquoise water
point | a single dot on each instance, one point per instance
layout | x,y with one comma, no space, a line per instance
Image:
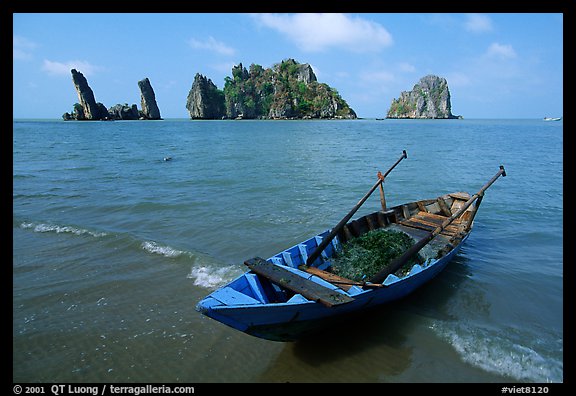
113,247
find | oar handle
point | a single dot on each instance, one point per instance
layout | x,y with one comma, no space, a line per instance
404,155
399,262
342,222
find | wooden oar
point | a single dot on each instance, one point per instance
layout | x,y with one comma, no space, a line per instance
396,264
343,283
342,222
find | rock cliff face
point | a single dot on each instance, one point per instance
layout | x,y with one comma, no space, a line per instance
205,101
430,98
150,108
304,73
89,109
288,90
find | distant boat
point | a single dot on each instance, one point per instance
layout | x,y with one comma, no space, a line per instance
552,118
294,291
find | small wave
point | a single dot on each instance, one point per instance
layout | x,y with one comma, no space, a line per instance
500,354
205,271
42,227
167,251
210,277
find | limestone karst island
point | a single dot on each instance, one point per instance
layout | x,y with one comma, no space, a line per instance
430,98
288,90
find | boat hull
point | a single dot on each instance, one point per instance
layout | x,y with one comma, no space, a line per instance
291,321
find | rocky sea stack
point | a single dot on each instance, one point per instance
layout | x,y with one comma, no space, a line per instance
430,98
89,110
288,90
150,110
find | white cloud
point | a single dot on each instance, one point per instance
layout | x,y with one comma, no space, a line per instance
22,48
502,51
317,32
211,44
59,68
478,23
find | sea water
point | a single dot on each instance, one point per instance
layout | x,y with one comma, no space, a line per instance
120,228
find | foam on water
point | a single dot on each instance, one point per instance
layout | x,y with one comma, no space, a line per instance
212,277
205,271
502,354
42,227
167,251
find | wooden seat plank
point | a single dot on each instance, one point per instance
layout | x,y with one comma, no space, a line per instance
417,224
435,218
451,228
287,279
449,231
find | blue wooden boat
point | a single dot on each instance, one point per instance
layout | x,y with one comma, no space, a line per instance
292,293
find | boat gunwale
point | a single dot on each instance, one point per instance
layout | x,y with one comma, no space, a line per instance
391,280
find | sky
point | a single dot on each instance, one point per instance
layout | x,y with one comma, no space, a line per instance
502,65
